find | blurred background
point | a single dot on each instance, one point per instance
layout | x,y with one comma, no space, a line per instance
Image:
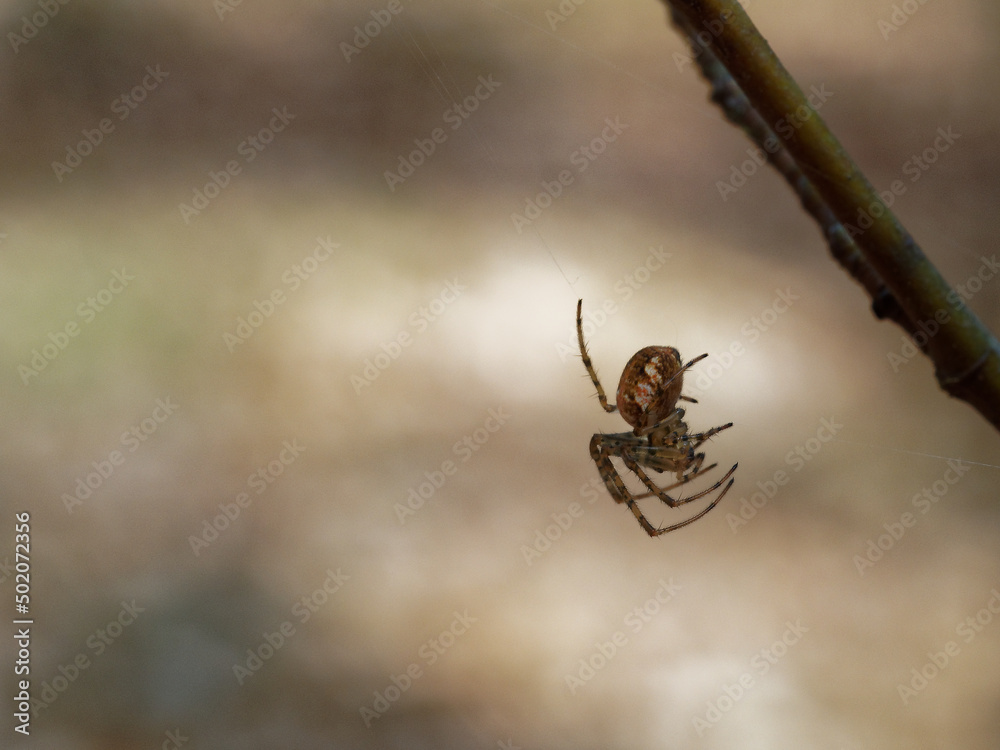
293,398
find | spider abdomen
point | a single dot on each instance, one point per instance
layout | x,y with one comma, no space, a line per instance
650,386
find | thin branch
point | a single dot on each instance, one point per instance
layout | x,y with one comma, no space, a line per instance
735,105
757,93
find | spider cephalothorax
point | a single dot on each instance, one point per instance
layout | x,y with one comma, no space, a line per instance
647,397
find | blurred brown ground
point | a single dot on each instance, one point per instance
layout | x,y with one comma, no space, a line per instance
482,319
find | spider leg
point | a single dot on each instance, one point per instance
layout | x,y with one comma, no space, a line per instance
661,492
680,372
616,487
612,480
685,367
588,364
699,515
675,421
697,472
701,437
673,456
630,462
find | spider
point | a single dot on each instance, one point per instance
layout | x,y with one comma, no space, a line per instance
647,397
